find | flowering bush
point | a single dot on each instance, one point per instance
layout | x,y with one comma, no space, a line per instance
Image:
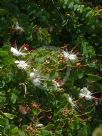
47,90
50,90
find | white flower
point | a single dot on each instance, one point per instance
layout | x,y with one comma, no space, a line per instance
72,57
34,74
36,78
21,64
16,52
36,81
57,83
17,27
85,93
39,125
31,75
70,100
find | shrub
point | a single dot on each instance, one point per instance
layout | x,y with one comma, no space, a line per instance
50,67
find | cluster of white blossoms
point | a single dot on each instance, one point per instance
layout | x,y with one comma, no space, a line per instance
84,93
21,64
36,77
70,56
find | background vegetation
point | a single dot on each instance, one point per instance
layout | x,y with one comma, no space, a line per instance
26,109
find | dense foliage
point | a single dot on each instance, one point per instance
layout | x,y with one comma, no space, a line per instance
50,68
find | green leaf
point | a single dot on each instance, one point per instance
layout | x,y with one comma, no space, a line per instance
83,131
58,133
94,77
50,126
3,12
45,132
22,133
71,5
9,116
14,98
4,122
15,130
80,74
